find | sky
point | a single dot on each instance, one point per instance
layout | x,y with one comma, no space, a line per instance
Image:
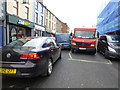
76,13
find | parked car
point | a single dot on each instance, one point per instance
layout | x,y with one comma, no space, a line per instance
30,57
109,45
63,39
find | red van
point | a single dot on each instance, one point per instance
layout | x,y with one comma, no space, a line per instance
84,39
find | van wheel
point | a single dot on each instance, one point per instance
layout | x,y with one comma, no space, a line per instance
72,50
93,53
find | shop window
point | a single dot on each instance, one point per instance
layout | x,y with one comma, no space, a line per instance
21,32
13,34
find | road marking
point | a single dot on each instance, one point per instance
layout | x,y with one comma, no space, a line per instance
70,55
108,61
11,86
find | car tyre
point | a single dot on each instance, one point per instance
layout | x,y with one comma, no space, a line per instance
106,54
49,68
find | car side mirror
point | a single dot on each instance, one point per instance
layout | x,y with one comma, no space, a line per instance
44,45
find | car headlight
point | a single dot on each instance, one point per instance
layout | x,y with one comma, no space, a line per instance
111,49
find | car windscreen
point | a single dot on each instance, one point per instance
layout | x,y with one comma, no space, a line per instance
114,38
85,34
61,38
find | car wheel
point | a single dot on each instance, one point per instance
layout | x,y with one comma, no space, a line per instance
106,54
49,67
72,50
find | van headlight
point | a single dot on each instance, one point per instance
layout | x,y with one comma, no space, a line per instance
111,49
92,44
73,43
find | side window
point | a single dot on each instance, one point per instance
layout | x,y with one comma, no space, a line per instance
48,42
54,42
103,38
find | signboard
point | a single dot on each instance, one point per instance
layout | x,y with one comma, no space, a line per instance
19,21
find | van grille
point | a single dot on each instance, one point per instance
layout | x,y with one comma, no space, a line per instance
83,44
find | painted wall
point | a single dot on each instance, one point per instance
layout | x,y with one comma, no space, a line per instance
21,8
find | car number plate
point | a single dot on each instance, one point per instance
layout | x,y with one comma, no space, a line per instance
82,48
12,71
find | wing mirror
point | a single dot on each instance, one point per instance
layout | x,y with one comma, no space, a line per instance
44,45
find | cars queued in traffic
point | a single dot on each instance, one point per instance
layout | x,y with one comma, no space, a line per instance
30,57
64,40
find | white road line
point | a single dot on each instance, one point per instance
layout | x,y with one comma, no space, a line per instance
109,62
70,55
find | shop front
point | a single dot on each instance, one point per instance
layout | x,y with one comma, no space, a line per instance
18,28
38,30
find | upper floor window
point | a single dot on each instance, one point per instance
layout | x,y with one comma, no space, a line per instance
36,5
26,12
41,20
42,9
25,1
36,17
15,7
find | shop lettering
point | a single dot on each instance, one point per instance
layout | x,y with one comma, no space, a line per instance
23,22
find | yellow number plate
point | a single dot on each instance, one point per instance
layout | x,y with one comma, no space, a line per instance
12,71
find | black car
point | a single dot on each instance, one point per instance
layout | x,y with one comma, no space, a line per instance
109,46
64,40
29,57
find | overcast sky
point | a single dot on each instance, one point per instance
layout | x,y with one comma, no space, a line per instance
76,13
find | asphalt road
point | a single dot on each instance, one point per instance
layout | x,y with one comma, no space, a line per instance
74,70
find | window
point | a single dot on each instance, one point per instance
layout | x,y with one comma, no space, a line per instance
15,7
42,9
41,20
25,1
26,12
36,5
36,17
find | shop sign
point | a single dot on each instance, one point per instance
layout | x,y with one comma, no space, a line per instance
39,28
18,21
23,22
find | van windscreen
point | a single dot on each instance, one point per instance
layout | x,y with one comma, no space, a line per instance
85,34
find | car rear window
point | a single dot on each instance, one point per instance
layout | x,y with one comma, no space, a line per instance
18,43
62,37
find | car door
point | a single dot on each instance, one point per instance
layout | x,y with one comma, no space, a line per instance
103,44
50,44
57,49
